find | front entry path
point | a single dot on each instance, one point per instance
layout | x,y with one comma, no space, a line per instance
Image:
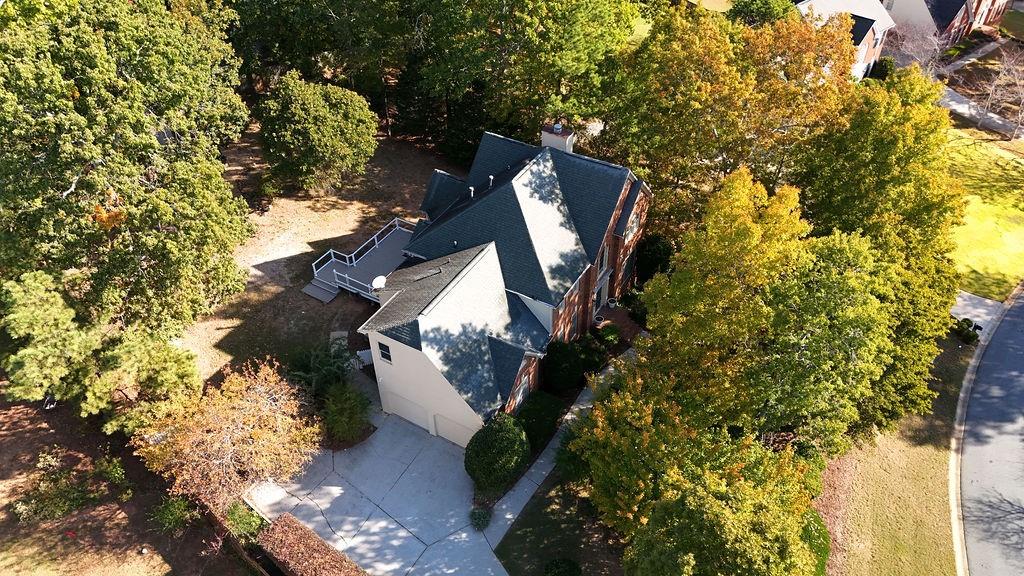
992,461
397,504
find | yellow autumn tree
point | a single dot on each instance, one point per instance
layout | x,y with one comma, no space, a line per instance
255,426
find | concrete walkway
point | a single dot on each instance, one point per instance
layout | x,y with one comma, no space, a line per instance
960,104
992,461
982,311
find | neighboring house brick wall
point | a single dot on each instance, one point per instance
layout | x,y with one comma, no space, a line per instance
624,276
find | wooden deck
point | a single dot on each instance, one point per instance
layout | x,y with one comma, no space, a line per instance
379,256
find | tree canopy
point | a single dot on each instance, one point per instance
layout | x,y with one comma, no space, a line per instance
109,179
317,133
255,426
702,96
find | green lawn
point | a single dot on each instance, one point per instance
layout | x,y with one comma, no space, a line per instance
896,520
990,244
558,522
1013,21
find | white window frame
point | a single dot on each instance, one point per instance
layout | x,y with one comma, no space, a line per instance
632,226
384,351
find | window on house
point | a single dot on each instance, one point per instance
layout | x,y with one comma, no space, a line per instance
385,352
521,391
632,226
575,324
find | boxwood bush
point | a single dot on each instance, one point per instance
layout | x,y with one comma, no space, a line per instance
562,567
497,455
539,418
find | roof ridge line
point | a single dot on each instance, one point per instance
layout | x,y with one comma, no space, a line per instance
458,277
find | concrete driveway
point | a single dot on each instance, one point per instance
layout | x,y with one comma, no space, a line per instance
992,464
397,504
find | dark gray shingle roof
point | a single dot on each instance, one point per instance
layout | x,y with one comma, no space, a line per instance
442,191
536,259
411,288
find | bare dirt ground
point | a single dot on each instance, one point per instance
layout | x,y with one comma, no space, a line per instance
105,539
273,317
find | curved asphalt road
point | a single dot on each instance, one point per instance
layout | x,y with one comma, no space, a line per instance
992,466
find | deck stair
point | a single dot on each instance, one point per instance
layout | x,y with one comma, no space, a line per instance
378,256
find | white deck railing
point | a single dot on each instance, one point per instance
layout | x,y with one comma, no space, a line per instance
353,258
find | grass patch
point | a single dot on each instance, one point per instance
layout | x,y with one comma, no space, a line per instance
559,522
1013,22
990,244
896,520
816,536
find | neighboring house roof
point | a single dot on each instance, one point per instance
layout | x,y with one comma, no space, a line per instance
456,310
944,11
861,11
861,27
546,210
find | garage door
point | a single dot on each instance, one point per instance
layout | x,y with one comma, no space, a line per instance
452,430
409,410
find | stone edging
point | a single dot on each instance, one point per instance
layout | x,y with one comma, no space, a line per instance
956,440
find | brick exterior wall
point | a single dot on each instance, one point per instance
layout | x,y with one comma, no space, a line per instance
530,369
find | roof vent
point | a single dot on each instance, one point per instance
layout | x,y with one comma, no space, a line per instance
471,191
490,181
378,283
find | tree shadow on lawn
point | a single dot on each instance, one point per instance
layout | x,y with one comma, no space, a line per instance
558,522
101,538
934,429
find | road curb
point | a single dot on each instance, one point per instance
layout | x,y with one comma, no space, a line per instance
956,440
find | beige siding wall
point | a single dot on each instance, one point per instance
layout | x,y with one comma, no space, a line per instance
412,387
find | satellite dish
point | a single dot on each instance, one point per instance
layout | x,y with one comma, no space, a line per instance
379,282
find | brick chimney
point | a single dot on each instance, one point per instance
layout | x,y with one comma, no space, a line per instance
557,136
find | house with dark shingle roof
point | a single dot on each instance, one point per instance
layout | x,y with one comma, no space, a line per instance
527,248
871,25
949,20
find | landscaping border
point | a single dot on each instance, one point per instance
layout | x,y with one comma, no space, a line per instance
956,440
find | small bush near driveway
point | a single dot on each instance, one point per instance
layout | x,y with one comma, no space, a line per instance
243,522
539,418
344,414
563,567
496,456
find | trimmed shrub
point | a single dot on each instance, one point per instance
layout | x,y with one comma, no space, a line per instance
637,309
566,363
964,330
609,336
298,551
497,455
539,418
174,513
243,522
344,413
562,567
884,68
479,518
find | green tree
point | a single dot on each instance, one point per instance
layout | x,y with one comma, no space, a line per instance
702,96
110,113
887,175
740,512
527,60
316,134
757,12
129,377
